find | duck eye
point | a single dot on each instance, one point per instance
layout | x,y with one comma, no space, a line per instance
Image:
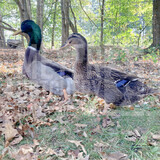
70,42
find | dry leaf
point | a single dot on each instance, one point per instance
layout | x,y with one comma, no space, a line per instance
117,156
137,133
24,153
80,125
100,146
53,152
114,156
131,139
85,134
17,140
97,129
80,156
35,143
107,122
78,143
155,136
9,131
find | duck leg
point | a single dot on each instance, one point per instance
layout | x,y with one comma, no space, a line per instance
65,95
49,97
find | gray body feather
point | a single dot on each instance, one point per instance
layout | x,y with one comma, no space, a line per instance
44,72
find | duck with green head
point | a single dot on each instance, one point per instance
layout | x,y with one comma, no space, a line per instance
50,75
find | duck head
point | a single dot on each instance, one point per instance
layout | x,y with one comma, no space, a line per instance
75,40
34,32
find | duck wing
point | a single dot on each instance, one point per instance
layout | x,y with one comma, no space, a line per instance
62,70
46,77
32,54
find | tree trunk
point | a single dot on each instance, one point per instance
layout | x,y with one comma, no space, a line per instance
156,23
73,26
25,12
40,8
65,19
24,8
54,22
102,23
2,38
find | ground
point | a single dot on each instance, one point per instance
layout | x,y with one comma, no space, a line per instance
31,128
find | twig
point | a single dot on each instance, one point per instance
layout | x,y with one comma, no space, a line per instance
86,13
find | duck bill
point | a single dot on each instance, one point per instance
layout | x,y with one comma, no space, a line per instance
64,45
17,32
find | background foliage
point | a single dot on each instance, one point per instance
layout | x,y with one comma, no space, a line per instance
126,22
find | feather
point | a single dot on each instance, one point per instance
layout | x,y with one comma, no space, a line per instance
113,86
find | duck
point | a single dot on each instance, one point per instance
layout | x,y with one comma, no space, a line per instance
109,84
51,76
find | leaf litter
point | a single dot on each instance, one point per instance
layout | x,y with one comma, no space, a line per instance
21,100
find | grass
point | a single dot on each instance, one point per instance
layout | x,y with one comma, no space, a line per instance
143,119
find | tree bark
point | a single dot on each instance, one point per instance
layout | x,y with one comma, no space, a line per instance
54,22
65,19
2,37
73,26
24,8
25,13
156,23
102,24
40,8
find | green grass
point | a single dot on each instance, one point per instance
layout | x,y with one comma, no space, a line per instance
141,118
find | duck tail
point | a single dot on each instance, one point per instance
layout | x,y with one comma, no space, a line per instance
154,91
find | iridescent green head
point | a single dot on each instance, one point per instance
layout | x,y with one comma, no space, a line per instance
33,30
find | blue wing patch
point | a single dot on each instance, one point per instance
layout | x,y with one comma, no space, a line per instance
121,83
62,73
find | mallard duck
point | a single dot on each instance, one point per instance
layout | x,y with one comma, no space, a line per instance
113,86
50,75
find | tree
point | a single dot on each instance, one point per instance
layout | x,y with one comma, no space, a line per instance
40,8
73,26
156,23
65,19
2,38
102,24
54,22
24,9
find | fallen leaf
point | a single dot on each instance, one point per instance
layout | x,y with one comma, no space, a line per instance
114,156
155,136
17,140
97,129
80,125
25,152
85,134
9,131
100,146
80,156
78,143
35,143
137,133
53,152
117,156
107,122
131,139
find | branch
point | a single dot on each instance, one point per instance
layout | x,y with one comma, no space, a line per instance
46,19
141,33
7,28
74,27
86,13
6,24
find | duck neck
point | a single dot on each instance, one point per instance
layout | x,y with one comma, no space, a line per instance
82,55
35,39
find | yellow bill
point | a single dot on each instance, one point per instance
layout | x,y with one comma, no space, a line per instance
17,32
